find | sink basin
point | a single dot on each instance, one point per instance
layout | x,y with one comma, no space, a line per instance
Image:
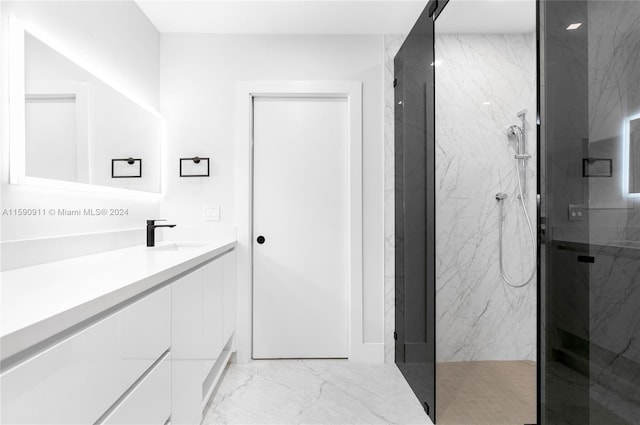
179,246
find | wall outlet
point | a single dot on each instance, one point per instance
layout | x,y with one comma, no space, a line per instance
211,212
577,212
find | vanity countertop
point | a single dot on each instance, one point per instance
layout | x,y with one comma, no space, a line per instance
40,301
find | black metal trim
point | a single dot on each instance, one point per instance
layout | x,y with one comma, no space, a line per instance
432,6
540,151
440,5
130,161
435,13
196,160
430,202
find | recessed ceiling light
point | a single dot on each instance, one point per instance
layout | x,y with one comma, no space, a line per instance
574,26
486,103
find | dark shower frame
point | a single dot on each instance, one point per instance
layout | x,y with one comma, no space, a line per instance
541,225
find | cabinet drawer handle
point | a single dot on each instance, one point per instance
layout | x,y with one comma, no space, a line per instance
586,259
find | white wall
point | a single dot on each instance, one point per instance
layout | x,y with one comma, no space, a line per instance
115,41
198,95
479,317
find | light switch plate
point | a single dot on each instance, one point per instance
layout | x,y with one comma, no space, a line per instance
576,212
211,212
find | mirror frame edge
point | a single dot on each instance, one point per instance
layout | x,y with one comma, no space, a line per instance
626,157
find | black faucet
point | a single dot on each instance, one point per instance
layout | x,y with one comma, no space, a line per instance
151,231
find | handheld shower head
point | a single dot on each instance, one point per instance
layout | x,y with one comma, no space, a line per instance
513,132
501,196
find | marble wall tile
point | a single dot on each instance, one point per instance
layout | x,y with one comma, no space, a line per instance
614,291
565,111
392,43
614,46
482,81
479,317
614,94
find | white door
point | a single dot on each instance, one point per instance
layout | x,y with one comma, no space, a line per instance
300,208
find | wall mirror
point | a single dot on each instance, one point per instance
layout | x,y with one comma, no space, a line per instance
67,125
632,145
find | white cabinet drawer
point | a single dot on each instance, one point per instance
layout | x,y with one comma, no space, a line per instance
77,380
149,403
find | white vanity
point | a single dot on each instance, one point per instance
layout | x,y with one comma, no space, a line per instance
136,335
95,330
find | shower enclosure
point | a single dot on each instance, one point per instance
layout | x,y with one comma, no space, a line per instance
517,210
485,82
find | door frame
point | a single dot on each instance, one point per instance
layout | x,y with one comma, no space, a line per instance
352,92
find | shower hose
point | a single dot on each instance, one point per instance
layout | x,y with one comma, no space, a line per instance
506,278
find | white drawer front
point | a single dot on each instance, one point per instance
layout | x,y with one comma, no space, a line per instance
149,403
212,343
186,349
77,380
229,295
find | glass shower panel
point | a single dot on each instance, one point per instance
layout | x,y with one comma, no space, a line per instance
414,212
590,212
485,96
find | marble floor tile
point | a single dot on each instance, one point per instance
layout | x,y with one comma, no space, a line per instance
314,392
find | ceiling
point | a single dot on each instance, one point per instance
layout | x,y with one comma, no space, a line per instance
487,17
283,16
335,17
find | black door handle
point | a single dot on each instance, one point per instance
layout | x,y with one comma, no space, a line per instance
260,240
586,259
